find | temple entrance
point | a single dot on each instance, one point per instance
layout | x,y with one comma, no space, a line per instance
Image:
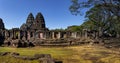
16,35
8,43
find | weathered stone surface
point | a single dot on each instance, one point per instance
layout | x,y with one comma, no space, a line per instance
1,32
29,22
17,43
1,24
24,27
4,53
46,60
40,21
25,57
15,54
34,24
30,19
42,56
35,57
34,33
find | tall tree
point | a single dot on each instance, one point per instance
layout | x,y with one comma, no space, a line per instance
111,5
104,13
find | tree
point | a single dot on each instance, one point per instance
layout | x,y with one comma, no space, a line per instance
105,14
74,28
58,29
111,5
88,25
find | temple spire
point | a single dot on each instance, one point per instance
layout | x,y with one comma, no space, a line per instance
30,18
40,21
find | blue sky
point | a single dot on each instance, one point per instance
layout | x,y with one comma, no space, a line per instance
56,12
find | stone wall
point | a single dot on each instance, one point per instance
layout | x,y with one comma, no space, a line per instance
34,32
16,37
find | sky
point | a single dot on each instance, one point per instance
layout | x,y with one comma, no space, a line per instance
56,13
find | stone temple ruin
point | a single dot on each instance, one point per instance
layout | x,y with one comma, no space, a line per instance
35,33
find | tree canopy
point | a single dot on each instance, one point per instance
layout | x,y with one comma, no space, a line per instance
104,15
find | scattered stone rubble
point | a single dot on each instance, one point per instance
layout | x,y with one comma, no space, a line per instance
43,58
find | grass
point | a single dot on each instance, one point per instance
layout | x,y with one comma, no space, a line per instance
73,54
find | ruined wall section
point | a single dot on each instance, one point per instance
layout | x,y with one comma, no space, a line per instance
2,27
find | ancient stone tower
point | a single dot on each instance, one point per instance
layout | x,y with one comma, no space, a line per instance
34,24
1,24
30,19
40,23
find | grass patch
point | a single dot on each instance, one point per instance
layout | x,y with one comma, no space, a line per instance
74,54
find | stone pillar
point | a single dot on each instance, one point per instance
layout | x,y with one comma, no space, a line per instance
81,34
44,35
14,34
72,34
24,35
93,35
86,34
96,35
41,36
75,34
50,35
28,35
36,34
53,35
6,34
117,35
59,35
19,35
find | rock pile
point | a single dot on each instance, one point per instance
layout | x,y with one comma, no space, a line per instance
43,58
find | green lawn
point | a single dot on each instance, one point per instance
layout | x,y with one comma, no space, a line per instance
73,54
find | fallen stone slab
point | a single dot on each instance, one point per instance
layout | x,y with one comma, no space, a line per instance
46,60
25,57
4,53
42,56
15,54
49,60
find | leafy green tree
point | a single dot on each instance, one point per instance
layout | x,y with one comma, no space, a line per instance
88,25
58,29
111,5
104,14
74,28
